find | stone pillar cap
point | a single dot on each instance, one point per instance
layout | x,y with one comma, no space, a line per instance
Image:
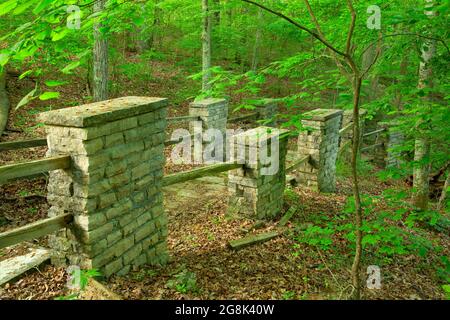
321,114
207,102
92,114
266,101
362,112
254,136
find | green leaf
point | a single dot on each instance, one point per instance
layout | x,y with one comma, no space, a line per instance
68,69
139,21
41,6
59,35
7,6
23,7
30,96
4,58
49,95
23,75
54,83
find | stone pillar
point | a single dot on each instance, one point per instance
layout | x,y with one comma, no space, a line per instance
113,187
321,142
256,190
387,155
268,111
214,115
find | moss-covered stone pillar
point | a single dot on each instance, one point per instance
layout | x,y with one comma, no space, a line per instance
320,140
388,155
256,190
113,188
214,115
268,110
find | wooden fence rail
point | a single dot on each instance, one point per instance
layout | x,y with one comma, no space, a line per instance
183,118
13,145
373,132
198,173
244,117
346,128
297,163
35,230
372,146
31,168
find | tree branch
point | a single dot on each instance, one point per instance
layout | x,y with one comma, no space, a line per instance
298,25
319,30
352,27
377,55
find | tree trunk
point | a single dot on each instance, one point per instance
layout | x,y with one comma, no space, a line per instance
4,102
357,82
206,46
441,203
422,148
142,42
398,99
100,58
154,41
257,40
216,12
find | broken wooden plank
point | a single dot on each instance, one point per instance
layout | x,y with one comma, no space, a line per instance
287,216
35,230
14,267
252,239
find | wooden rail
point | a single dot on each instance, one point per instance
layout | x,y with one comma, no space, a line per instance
198,173
372,146
35,230
172,142
344,147
297,164
373,132
12,145
243,117
346,128
31,168
183,118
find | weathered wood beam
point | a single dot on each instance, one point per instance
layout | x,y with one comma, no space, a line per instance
344,147
372,146
13,267
12,145
346,128
183,118
287,216
297,164
30,168
198,173
244,117
252,239
35,230
373,132
176,141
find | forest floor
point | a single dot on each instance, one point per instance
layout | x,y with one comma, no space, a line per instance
201,265
199,231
